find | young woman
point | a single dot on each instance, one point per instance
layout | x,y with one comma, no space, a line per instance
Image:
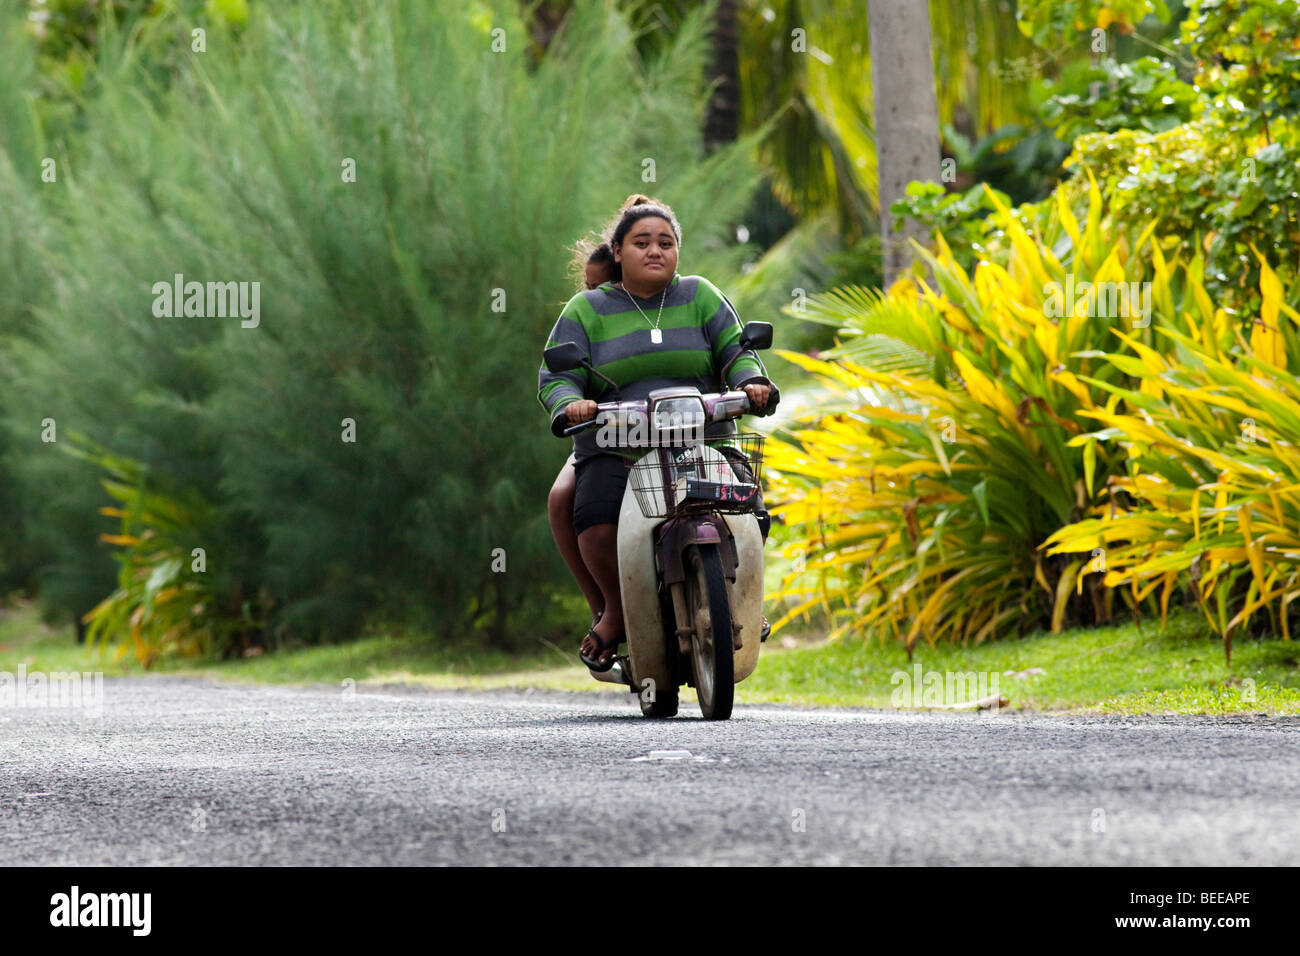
649,329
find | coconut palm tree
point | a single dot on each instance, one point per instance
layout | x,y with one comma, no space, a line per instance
808,63
805,66
907,118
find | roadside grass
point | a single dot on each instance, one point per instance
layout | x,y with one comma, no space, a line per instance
1116,670
1128,669
25,640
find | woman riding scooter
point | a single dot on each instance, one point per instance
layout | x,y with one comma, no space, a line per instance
650,330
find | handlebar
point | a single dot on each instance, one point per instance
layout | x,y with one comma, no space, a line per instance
733,403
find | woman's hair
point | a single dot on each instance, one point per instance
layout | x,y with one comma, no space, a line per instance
598,249
590,250
637,208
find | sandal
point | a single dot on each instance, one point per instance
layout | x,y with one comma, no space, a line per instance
593,663
764,631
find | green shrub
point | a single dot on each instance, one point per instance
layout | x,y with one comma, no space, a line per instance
475,172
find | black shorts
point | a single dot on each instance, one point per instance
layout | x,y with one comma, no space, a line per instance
598,490
602,479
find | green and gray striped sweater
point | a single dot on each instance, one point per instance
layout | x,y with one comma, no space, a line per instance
701,332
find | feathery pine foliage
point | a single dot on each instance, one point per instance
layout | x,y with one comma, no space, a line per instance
22,280
475,170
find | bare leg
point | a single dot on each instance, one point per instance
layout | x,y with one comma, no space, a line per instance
559,508
599,546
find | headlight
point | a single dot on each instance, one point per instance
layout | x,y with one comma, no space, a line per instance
676,413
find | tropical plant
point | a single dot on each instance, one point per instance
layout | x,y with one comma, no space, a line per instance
1213,469
1228,178
960,217
1158,457
1050,21
1144,94
806,63
1202,182
1248,52
165,600
946,458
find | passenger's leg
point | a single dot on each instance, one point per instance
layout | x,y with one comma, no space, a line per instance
601,482
559,508
599,546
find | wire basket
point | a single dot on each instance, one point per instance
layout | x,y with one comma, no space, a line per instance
720,475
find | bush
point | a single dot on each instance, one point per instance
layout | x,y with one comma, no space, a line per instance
407,308
167,597
990,466
1213,471
948,457
1026,503
1209,187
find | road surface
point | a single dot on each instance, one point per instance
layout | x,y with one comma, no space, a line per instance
177,772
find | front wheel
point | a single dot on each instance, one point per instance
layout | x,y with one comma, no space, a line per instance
711,636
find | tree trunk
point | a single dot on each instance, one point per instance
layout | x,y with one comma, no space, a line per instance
906,115
547,18
495,638
722,116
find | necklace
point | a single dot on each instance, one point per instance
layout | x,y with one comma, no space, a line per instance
656,337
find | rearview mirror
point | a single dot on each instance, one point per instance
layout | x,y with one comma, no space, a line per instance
756,335
564,357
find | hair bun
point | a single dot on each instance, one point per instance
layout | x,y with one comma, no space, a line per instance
639,207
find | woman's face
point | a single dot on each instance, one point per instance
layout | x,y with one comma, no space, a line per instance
648,254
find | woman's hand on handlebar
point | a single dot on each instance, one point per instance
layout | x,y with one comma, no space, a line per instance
580,411
758,395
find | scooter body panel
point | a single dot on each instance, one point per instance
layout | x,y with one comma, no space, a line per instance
747,590
643,621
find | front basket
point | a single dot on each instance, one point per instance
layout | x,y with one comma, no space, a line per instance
720,475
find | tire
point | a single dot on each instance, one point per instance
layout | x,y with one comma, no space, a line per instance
664,704
711,652
666,699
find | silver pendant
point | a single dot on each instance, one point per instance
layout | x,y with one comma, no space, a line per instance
656,336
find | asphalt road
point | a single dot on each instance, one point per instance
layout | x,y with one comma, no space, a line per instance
191,772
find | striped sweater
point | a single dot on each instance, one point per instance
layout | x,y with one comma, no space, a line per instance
701,332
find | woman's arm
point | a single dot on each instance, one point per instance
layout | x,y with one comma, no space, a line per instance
557,390
723,330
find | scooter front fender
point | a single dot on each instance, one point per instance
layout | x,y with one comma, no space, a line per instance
638,585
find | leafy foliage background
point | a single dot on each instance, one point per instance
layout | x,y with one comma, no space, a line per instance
476,171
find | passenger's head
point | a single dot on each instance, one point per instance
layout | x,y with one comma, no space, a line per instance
600,266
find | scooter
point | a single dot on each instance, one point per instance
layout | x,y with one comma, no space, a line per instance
690,538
